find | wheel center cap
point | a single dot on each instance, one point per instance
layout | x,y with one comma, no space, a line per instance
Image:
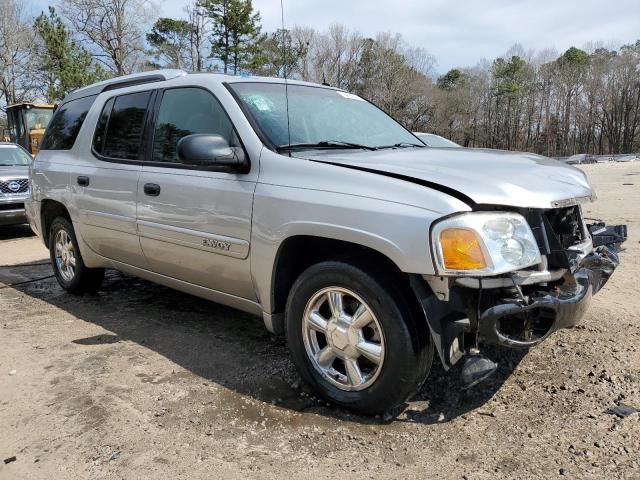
339,338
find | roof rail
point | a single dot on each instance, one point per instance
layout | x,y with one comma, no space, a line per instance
125,81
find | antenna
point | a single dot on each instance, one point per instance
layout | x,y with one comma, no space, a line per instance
284,73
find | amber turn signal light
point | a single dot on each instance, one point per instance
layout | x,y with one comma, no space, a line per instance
461,249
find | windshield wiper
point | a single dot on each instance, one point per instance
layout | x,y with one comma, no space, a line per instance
337,144
400,145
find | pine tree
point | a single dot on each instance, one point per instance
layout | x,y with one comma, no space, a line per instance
66,65
170,43
278,55
236,32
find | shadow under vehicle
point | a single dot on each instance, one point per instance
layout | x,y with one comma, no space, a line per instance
230,348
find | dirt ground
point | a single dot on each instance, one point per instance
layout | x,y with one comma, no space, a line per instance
143,382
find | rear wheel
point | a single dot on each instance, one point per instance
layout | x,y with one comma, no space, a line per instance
70,271
354,339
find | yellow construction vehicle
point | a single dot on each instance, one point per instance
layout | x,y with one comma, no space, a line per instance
27,123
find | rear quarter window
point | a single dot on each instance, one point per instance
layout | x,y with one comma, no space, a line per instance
120,127
63,129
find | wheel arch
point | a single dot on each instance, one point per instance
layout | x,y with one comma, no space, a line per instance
49,210
298,252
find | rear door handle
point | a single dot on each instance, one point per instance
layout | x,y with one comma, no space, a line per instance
152,189
83,181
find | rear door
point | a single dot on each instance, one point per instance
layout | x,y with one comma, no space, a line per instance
194,224
106,187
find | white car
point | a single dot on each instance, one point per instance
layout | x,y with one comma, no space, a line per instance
436,141
576,159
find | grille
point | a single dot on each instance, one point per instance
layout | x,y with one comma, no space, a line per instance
556,230
22,183
567,225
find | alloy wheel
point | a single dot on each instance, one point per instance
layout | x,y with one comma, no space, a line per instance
343,339
65,255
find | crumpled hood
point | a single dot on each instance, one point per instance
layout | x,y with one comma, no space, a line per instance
19,171
491,177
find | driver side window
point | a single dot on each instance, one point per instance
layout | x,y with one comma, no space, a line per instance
185,111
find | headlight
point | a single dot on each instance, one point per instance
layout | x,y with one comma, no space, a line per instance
483,243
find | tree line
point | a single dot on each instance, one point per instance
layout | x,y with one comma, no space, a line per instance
579,101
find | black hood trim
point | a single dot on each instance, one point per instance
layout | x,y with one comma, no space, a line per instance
434,186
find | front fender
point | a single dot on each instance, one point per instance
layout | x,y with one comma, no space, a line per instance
400,232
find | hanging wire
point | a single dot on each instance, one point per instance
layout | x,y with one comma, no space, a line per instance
284,73
9,285
2,287
478,313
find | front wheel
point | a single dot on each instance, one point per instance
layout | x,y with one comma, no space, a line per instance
353,338
69,268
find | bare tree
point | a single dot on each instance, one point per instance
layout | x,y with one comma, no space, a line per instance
16,40
575,102
420,60
395,77
303,39
199,34
114,29
335,57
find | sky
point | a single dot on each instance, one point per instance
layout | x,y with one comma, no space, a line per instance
459,33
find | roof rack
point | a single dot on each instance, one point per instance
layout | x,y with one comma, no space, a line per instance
125,81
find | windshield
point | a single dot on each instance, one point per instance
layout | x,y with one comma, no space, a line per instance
436,141
38,118
319,116
11,156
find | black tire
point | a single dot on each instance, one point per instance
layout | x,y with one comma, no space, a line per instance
84,279
408,345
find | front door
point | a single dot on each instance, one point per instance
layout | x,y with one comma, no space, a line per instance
195,225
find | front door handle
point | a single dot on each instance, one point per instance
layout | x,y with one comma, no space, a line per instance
83,181
152,189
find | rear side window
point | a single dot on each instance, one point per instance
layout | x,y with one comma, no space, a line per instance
101,127
119,130
63,129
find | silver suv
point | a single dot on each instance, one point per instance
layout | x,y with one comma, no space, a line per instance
312,208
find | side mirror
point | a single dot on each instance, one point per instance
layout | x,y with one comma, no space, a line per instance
211,152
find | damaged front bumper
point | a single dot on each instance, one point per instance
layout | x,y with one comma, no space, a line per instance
529,319
521,309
